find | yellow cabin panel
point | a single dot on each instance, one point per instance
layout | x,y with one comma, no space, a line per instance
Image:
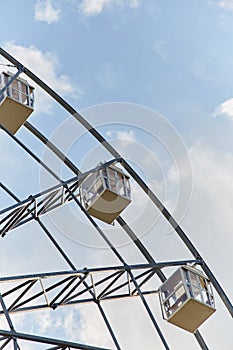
191,315
13,114
108,206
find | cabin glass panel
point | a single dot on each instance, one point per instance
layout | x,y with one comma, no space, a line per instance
19,90
112,176
91,188
199,287
116,181
173,294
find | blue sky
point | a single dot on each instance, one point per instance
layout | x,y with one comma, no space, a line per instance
155,77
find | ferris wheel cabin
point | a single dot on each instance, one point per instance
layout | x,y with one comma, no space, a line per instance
187,298
106,193
16,102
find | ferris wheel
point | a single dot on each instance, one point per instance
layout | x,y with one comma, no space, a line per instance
101,194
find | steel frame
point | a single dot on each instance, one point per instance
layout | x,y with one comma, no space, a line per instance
64,288
27,209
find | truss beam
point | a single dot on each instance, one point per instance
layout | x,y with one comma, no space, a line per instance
63,288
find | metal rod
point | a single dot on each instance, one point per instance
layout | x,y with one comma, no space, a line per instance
92,270
81,280
108,326
30,152
52,147
9,321
9,192
200,340
45,340
124,284
16,217
45,306
149,312
58,247
63,290
140,246
5,343
16,288
35,296
6,313
96,226
110,285
14,304
47,202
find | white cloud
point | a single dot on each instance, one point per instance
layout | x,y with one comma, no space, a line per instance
213,172
45,65
82,327
208,218
133,3
224,9
223,4
94,7
226,4
124,141
45,321
122,135
46,12
160,50
224,109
